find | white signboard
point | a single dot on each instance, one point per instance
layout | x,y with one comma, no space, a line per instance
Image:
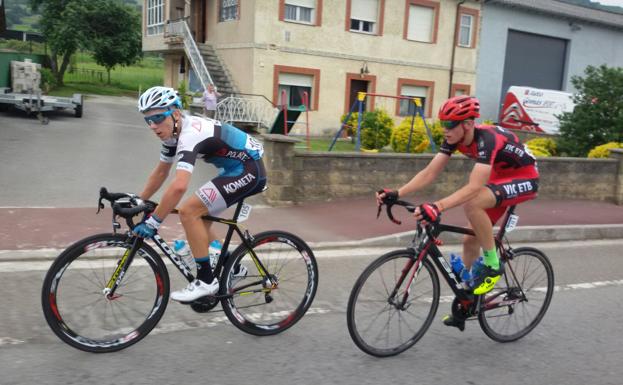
533,109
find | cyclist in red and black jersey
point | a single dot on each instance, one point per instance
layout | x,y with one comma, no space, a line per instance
505,174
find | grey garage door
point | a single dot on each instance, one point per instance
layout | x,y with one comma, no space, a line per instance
534,61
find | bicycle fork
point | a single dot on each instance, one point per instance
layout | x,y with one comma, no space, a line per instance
122,266
409,267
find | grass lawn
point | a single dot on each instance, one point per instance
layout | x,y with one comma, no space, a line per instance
86,88
123,80
322,144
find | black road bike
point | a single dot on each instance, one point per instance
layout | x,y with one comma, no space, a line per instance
108,291
395,299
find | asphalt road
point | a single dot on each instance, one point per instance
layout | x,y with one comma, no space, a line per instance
64,163
578,341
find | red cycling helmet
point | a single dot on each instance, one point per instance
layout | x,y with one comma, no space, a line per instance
460,108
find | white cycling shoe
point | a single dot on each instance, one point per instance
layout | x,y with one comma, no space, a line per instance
195,289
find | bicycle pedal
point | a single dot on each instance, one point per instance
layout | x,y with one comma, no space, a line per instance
448,320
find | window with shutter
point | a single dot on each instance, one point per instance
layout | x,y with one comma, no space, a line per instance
364,16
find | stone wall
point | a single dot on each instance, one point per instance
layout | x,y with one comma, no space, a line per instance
295,176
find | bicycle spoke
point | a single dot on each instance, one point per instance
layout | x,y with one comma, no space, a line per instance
290,265
79,312
381,325
529,284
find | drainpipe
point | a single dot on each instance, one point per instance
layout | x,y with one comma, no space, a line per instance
456,32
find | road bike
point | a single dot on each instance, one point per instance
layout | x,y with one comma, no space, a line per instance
394,301
108,291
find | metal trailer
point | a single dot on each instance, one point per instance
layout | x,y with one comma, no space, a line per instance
35,103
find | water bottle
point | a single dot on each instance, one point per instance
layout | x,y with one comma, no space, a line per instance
478,266
181,248
467,278
464,274
214,252
457,264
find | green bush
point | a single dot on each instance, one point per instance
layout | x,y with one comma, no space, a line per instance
376,129
538,151
184,95
542,146
48,81
419,138
351,125
596,118
602,151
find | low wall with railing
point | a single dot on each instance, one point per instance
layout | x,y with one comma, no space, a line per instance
295,176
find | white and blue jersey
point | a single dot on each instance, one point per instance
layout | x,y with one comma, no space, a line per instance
235,153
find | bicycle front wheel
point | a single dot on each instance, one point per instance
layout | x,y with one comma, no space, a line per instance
380,321
78,311
520,298
265,302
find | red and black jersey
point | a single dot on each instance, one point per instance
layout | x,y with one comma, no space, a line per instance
499,148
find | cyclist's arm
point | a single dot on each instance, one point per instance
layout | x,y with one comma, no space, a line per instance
156,179
478,178
173,194
426,176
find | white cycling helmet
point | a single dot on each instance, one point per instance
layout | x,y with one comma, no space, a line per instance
158,97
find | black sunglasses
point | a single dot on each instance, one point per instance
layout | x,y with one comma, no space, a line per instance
157,118
450,124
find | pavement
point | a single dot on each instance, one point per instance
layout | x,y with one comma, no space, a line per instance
44,232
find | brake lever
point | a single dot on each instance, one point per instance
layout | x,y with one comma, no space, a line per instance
100,205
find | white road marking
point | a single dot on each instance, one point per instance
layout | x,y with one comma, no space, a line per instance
10,341
163,328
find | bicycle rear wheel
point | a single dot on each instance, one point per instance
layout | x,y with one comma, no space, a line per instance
78,311
521,297
266,303
376,322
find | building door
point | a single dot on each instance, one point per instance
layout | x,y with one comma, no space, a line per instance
534,61
357,86
199,17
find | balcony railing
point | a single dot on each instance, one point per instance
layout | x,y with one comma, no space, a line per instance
251,109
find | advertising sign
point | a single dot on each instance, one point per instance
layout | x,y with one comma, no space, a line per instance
533,109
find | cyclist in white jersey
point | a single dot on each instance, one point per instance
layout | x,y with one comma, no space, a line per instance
185,139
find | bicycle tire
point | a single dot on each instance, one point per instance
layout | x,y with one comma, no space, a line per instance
80,314
370,297
506,304
293,266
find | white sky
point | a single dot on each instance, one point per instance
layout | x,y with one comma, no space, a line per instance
609,2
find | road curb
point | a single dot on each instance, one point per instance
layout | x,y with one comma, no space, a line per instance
522,234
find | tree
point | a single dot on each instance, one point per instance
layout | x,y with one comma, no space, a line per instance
598,114
106,26
63,23
115,35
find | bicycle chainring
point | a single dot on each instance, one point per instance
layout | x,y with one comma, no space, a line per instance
461,311
204,305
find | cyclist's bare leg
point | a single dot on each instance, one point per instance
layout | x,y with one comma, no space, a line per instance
480,223
471,250
198,231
